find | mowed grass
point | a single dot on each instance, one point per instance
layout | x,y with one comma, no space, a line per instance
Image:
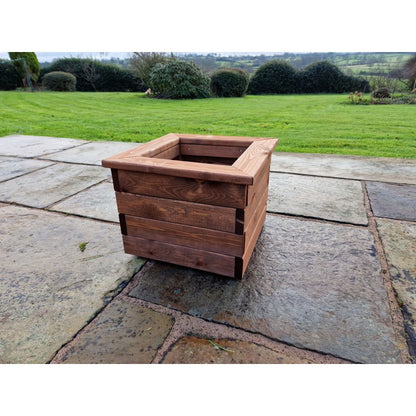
303,123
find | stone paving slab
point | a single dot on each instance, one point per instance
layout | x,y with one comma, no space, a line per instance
34,146
194,350
327,198
124,333
350,167
51,184
313,285
99,202
399,242
91,153
49,288
11,167
392,201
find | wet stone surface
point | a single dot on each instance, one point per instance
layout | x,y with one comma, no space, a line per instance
313,285
11,167
331,199
96,202
51,184
194,350
399,242
49,287
392,201
91,153
350,167
34,146
124,333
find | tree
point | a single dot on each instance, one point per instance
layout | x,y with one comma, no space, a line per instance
28,59
409,71
142,64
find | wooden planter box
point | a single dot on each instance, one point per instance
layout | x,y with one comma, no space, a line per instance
193,200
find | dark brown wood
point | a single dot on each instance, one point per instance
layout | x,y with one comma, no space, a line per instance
194,200
252,242
149,149
212,150
255,209
171,153
184,256
116,183
256,155
218,140
184,189
208,159
181,212
186,235
179,168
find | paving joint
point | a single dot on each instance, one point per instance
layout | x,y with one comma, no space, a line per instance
186,324
396,312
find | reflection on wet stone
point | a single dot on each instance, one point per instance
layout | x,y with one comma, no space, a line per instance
310,284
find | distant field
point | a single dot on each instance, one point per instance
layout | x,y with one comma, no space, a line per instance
303,123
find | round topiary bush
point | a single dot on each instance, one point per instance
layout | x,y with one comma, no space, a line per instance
273,77
178,79
229,82
59,81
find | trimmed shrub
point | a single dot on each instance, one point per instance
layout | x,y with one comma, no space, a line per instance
32,64
382,92
324,77
9,78
59,81
93,75
273,77
229,82
178,80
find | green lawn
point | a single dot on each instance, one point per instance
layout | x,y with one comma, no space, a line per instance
303,123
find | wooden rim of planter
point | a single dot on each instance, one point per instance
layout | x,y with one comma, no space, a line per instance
156,157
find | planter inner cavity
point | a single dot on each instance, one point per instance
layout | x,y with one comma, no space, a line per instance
193,200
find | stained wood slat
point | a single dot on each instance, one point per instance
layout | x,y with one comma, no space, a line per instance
183,169
185,235
209,159
185,189
184,256
212,150
254,210
149,149
171,153
256,156
181,212
215,140
252,242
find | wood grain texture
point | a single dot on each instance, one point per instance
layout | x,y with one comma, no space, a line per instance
149,149
185,189
185,235
253,240
215,140
184,256
171,153
181,212
254,210
212,150
184,169
255,157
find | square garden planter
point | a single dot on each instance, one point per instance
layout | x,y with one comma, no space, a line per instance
194,200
